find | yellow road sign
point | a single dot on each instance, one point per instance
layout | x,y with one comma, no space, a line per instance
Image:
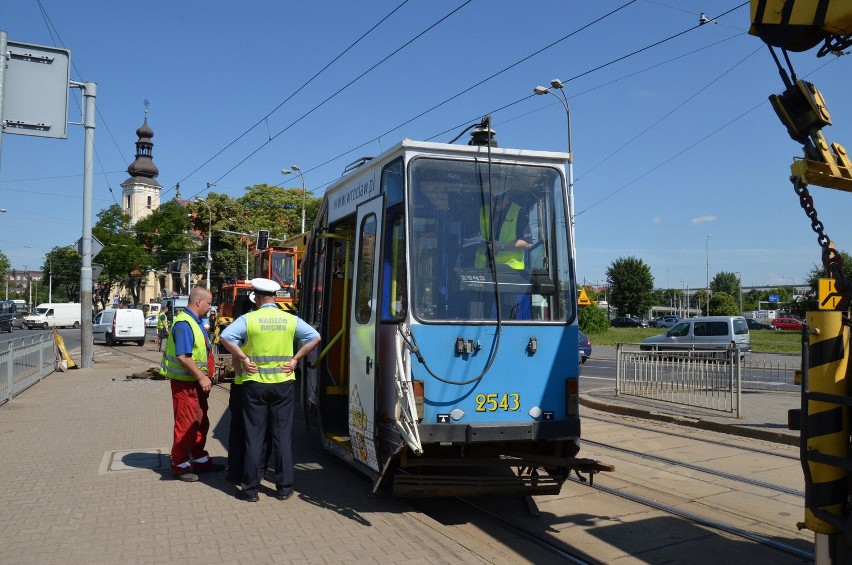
829,298
583,299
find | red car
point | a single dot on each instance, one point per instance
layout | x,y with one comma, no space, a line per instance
787,324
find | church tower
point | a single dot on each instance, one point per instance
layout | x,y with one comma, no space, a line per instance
140,194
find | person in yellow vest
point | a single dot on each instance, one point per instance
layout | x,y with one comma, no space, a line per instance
162,326
263,343
512,238
188,362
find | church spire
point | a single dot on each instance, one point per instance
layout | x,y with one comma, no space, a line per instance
144,166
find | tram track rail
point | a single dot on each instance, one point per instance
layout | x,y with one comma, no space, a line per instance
698,468
782,547
558,549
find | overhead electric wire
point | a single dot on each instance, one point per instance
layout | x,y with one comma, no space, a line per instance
479,83
347,85
54,36
526,97
668,113
688,148
299,89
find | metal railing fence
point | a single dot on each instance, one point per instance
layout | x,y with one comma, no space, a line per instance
25,362
709,379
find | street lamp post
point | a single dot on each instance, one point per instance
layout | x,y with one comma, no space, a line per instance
302,178
707,252
541,90
3,211
209,238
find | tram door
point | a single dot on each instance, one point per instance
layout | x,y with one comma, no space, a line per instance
362,333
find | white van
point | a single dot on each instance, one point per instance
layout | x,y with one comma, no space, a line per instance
116,325
54,314
704,332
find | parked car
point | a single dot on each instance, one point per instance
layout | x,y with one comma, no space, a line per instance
626,322
665,322
584,347
787,324
757,325
151,321
704,332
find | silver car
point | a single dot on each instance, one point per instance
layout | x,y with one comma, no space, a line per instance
704,332
666,322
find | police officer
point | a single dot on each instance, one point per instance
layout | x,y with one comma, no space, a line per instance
162,326
263,343
187,362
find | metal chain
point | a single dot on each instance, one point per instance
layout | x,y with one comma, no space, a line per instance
832,261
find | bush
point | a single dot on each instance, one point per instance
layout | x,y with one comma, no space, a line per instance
592,320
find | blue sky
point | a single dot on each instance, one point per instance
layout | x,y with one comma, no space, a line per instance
671,144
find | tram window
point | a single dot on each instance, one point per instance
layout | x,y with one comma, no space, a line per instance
394,304
366,261
321,246
452,268
394,279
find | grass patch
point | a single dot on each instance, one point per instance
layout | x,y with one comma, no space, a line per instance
762,341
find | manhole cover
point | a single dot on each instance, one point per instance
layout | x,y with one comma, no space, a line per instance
133,460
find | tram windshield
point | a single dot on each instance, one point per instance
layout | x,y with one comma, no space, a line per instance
453,266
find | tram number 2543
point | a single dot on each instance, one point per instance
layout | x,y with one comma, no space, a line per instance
493,402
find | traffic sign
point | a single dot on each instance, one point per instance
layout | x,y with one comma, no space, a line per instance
583,299
97,246
829,297
35,99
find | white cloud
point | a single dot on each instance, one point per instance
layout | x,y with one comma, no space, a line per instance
658,220
703,219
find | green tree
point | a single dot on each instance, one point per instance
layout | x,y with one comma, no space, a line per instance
723,304
592,319
630,286
272,208
751,299
126,262
64,263
165,235
726,282
5,265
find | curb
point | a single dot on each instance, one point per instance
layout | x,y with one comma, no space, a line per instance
698,423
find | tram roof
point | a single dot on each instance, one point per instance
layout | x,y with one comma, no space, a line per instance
360,183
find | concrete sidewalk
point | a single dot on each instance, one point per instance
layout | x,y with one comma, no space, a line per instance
86,479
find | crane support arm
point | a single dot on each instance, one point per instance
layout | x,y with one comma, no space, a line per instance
799,25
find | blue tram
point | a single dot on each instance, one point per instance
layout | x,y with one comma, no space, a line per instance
441,278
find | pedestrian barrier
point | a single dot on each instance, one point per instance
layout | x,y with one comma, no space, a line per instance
25,362
709,379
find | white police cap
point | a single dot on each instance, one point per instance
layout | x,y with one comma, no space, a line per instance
265,286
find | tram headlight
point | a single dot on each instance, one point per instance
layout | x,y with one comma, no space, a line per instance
535,412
